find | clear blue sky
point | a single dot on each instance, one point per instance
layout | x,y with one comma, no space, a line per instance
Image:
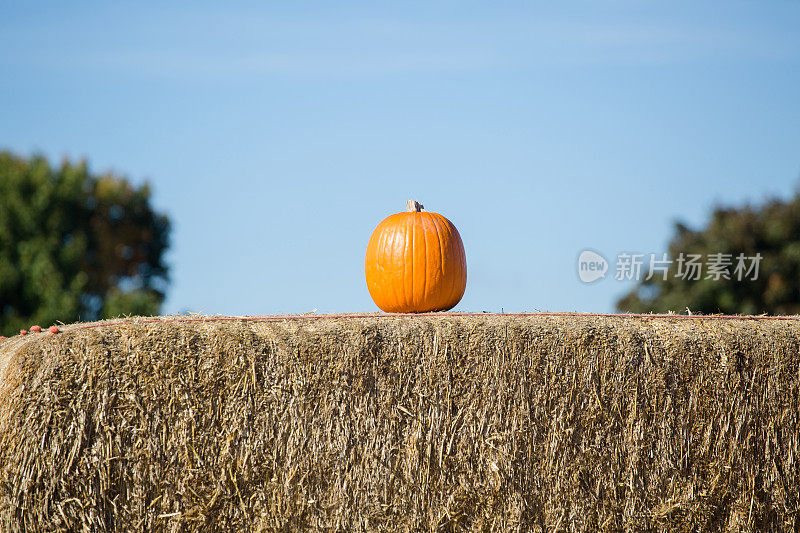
276,136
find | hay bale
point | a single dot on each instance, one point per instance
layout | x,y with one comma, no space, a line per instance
487,422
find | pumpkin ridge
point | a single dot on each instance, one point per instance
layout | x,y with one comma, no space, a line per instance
414,265
387,256
397,287
379,252
456,280
463,256
425,255
462,259
463,264
372,259
441,242
445,238
407,302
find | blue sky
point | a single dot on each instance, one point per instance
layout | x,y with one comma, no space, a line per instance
277,136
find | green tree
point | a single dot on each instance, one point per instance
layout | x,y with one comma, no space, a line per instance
76,246
771,230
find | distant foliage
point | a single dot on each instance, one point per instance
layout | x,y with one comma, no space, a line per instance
76,246
772,230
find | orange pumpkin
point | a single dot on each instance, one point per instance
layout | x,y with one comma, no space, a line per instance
415,262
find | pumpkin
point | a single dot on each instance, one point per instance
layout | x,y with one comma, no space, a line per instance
415,262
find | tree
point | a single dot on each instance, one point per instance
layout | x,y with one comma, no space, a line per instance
76,246
771,230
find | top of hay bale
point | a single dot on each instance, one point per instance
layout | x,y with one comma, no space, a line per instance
625,324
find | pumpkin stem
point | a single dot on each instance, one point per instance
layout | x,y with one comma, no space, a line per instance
413,206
